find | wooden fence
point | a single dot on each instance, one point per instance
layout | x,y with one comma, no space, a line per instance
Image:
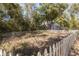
60,48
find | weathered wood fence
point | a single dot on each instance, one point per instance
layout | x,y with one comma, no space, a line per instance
60,48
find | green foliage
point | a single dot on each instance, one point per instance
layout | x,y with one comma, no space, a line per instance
64,23
52,11
74,23
46,12
75,8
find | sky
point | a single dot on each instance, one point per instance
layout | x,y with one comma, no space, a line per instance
24,9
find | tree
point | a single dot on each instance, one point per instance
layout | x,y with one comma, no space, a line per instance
74,22
13,10
63,22
49,12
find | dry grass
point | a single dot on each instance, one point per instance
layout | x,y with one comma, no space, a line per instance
33,39
75,48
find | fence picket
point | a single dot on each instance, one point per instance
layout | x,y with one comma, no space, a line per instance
57,49
10,54
4,53
0,52
50,51
17,54
38,54
45,52
64,46
53,49
61,47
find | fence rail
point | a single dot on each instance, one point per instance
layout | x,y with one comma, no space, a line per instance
60,48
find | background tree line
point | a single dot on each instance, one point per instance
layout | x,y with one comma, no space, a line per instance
37,17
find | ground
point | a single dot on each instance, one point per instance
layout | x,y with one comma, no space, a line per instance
33,41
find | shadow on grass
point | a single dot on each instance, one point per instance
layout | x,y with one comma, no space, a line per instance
6,36
26,50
